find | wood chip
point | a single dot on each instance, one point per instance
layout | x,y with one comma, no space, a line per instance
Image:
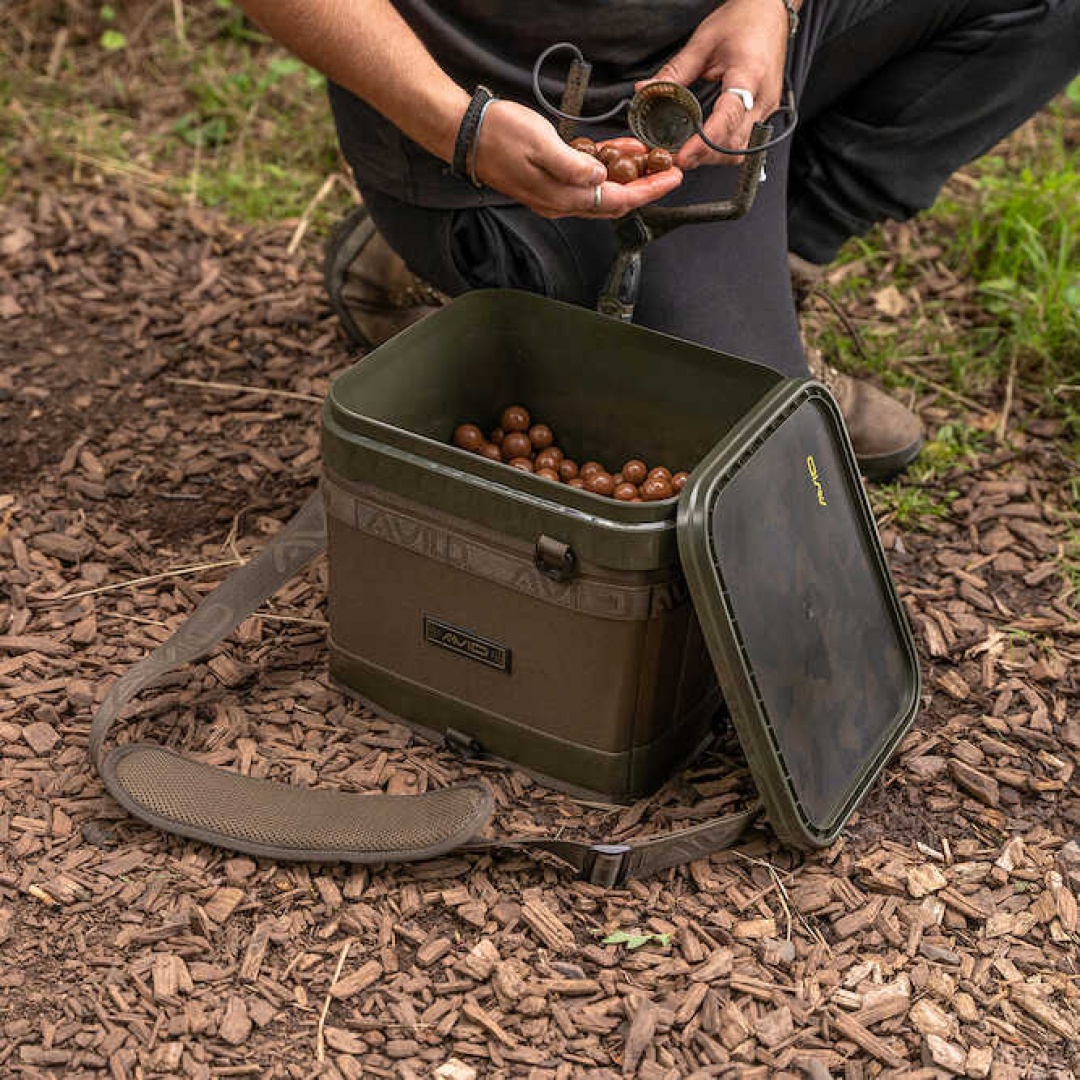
23,643
717,966
344,1041
223,903
755,928
235,1024
974,782
925,879
930,1019
358,981
690,1003
945,1055
851,1029
1028,999
252,960
547,926
171,977
772,1028
40,736
642,1027
980,1060
433,950
480,1016
454,1069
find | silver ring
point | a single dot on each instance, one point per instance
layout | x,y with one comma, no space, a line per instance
597,196
743,95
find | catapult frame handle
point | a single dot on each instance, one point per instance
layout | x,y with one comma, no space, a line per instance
638,228
661,219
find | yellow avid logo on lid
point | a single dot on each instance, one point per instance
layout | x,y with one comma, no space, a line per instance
812,469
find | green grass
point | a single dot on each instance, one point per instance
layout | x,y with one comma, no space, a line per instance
243,126
261,129
1022,245
909,508
919,496
953,446
1017,236
1009,227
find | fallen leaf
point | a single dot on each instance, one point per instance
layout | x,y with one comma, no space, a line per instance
890,301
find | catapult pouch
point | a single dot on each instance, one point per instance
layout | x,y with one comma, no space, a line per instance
587,640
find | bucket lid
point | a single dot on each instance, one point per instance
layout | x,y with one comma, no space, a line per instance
811,645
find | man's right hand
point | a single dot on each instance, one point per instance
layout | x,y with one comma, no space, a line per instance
520,154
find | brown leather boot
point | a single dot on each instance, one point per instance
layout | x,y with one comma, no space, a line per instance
885,436
372,291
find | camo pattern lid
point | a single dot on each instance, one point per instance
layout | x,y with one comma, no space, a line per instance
794,596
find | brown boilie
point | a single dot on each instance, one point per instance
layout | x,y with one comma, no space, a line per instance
656,488
516,444
541,436
658,160
532,447
622,170
469,437
607,154
515,418
623,167
549,458
600,483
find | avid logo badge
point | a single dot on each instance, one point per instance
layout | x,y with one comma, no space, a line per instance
467,644
815,479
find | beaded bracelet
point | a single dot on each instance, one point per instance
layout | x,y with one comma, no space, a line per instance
470,126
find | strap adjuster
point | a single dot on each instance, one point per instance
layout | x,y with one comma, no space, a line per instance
605,865
462,744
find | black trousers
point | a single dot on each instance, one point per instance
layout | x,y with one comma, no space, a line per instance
894,96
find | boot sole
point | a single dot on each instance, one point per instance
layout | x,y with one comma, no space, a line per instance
882,467
346,242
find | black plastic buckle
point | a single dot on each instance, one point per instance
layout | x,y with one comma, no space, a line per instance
605,865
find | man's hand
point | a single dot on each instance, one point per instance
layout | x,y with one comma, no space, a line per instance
367,47
742,44
520,154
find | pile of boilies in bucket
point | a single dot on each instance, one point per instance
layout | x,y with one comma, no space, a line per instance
521,444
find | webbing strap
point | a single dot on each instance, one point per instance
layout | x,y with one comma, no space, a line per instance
281,821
